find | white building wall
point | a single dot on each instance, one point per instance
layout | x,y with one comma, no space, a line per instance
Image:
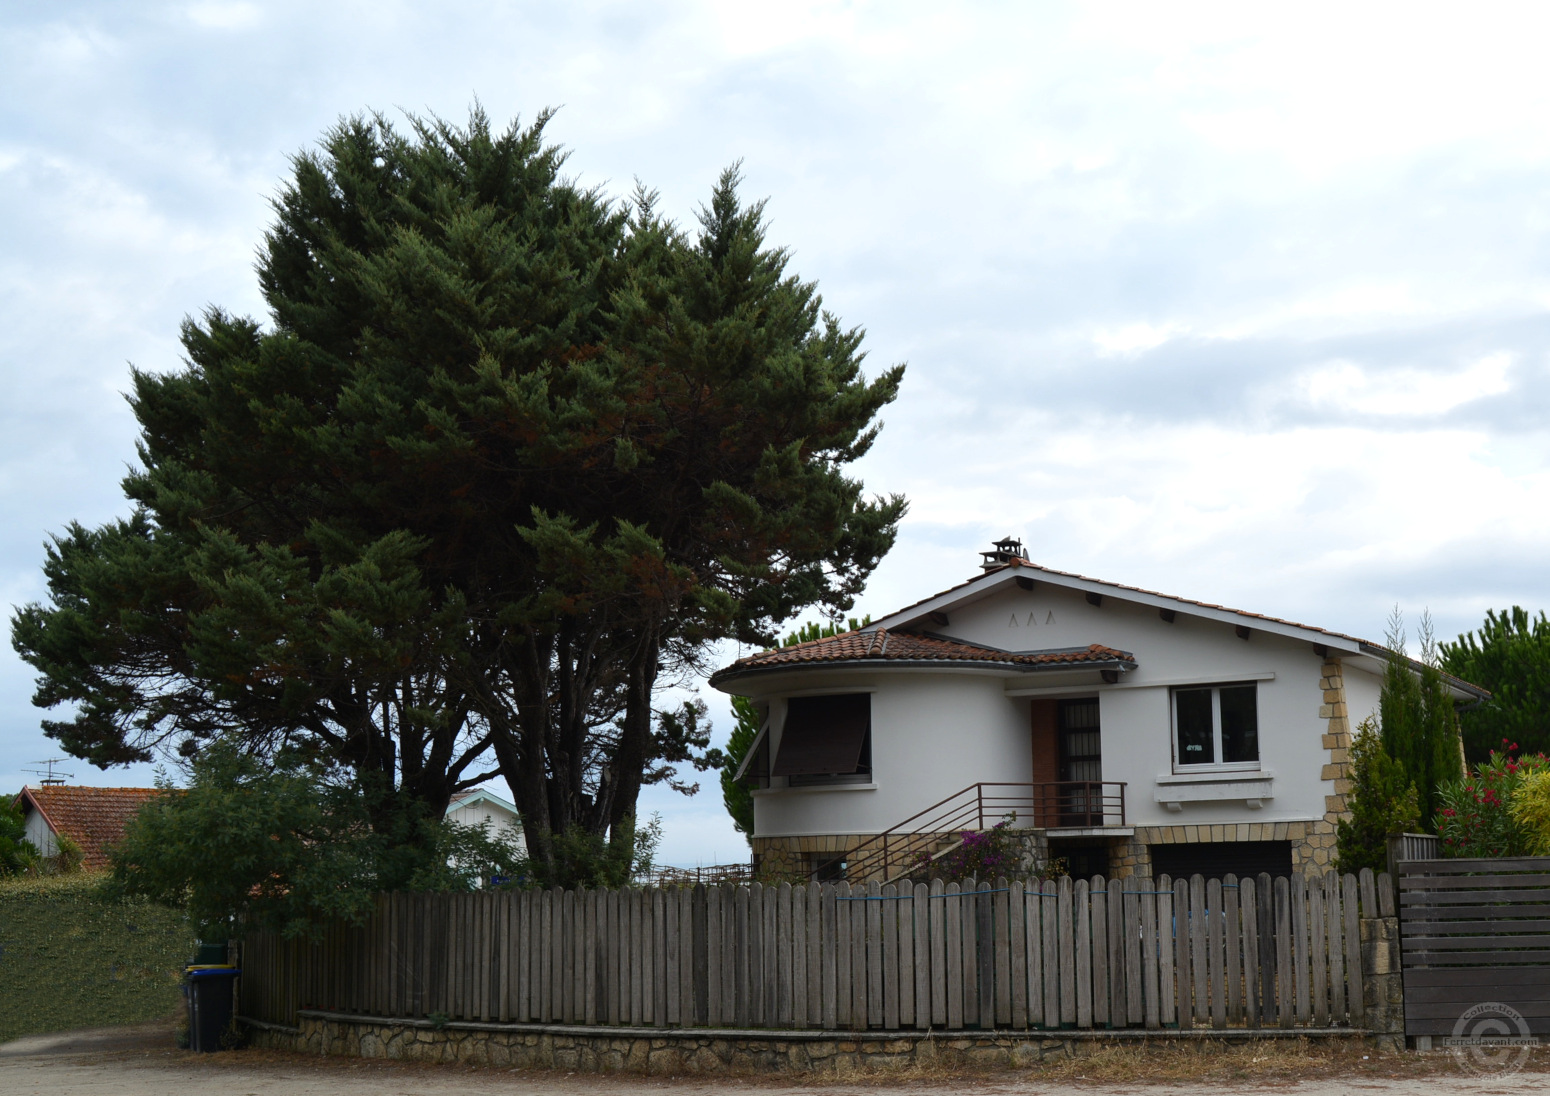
934,734
483,811
40,835
1361,695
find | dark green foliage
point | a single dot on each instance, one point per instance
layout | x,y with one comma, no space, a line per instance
1419,724
736,795
582,859
1510,656
70,958
507,453
17,854
289,845
1401,765
1383,801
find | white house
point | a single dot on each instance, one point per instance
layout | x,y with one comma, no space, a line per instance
1132,730
480,807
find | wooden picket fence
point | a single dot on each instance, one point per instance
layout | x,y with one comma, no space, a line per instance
1005,954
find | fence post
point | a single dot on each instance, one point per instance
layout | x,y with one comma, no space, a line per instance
1383,989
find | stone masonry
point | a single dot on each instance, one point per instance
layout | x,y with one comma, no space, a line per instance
680,1050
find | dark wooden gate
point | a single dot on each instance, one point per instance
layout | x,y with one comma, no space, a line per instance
1473,932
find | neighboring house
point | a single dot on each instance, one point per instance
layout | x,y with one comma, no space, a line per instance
473,808
1132,731
93,818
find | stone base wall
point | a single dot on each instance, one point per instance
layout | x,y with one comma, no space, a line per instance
1313,843
679,1050
795,855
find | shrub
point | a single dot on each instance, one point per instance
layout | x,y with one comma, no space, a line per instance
1476,817
1000,850
1531,810
582,858
290,844
1383,802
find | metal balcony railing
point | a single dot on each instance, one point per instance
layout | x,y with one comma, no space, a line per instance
1065,804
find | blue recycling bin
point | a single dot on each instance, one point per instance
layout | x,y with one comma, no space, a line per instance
211,992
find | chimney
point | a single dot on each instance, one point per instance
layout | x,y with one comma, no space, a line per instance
1006,550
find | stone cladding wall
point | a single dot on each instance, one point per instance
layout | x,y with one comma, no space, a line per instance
677,1051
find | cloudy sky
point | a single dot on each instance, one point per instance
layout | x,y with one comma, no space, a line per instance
1232,304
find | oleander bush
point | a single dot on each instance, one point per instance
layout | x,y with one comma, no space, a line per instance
1498,809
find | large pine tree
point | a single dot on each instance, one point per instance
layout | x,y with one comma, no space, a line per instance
505,454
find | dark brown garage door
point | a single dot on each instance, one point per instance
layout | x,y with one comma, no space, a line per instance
1218,858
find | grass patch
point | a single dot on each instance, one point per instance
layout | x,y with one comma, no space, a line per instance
70,959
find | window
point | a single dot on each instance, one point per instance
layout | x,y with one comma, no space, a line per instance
826,740
1216,725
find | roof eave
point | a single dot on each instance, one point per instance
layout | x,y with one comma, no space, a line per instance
37,805
1460,688
731,673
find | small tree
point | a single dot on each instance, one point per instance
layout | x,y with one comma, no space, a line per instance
1419,724
287,846
1383,801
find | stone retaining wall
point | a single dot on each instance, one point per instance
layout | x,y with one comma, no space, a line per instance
691,1050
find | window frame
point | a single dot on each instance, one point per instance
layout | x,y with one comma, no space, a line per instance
1215,766
863,776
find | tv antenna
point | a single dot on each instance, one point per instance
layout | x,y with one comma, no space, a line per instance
49,776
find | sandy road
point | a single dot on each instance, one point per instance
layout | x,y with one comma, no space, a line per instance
137,1061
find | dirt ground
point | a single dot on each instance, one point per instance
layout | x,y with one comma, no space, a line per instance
140,1060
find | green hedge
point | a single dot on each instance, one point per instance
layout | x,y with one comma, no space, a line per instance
69,959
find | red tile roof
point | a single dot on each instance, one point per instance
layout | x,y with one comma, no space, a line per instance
93,818
883,646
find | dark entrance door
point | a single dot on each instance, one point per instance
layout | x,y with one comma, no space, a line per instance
1081,762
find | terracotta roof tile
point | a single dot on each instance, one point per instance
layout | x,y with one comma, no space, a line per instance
93,818
883,646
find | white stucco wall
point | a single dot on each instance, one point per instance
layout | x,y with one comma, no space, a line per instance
1361,695
936,733
932,734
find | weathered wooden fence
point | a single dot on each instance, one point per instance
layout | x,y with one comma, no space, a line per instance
1475,932
1005,954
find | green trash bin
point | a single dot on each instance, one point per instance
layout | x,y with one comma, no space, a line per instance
211,992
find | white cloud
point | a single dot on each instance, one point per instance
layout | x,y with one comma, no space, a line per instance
234,15
1408,391
1241,303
